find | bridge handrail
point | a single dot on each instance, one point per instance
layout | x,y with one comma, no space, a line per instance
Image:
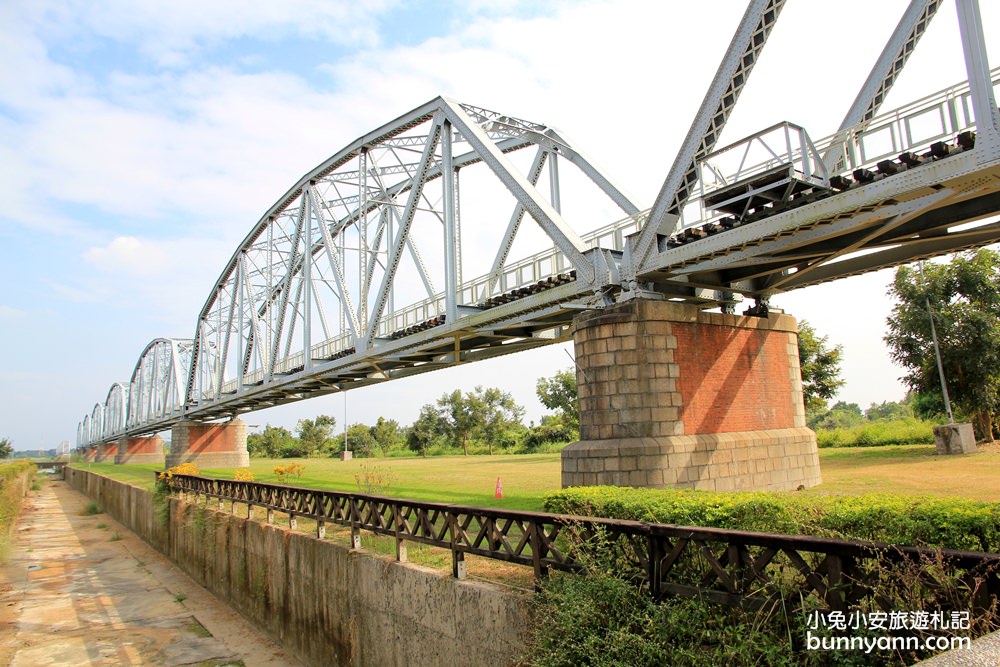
729,566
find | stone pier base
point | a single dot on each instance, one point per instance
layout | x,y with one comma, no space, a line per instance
774,460
222,445
671,395
140,450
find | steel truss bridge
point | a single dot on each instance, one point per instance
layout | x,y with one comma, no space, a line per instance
356,274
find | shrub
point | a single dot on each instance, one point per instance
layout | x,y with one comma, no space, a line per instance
907,431
188,468
284,472
243,475
944,522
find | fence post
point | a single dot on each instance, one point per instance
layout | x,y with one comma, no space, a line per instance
655,552
535,540
355,520
397,522
458,568
835,583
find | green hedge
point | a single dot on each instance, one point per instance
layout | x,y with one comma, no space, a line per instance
878,433
947,523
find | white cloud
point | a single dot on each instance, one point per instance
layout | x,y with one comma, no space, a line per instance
171,34
10,313
127,254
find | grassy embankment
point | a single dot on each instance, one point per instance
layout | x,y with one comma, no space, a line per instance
15,479
910,470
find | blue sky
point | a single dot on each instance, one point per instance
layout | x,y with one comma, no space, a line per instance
140,141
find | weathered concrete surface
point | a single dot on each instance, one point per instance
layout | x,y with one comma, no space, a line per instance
984,652
72,595
327,604
954,439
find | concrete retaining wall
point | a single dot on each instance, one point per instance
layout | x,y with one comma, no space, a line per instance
321,601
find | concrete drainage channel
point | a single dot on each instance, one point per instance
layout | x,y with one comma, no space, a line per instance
325,604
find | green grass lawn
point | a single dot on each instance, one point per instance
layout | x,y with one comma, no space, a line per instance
904,470
458,480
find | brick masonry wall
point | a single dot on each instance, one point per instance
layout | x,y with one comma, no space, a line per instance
140,450
209,445
673,380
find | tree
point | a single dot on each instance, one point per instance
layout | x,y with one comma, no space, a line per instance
964,298
271,443
387,434
559,393
890,410
361,441
483,413
499,414
428,428
6,448
459,414
841,415
820,367
316,435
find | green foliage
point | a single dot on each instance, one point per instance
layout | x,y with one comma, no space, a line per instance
841,415
6,448
271,443
907,431
426,431
388,435
553,431
481,414
820,367
891,410
316,435
964,298
361,441
91,509
946,523
559,393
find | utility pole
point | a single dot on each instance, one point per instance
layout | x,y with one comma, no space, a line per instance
937,348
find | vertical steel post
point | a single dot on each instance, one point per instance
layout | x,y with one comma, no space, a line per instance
554,182
307,224
362,222
450,236
984,104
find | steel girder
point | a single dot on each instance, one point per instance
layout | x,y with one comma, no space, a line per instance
323,273
889,65
719,102
156,388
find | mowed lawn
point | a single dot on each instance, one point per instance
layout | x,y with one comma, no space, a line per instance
908,470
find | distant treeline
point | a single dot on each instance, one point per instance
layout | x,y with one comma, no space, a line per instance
483,421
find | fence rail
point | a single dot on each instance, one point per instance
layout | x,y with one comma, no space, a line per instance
739,568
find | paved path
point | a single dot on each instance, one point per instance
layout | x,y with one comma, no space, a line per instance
83,590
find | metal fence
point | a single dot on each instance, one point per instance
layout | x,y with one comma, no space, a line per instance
739,568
